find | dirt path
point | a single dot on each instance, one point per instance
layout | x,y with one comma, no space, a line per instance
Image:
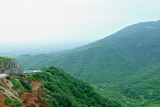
32,99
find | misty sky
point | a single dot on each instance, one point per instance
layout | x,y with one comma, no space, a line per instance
62,21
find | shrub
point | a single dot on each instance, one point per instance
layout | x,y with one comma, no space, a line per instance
7,101
26,85
16,84
8,77
16,103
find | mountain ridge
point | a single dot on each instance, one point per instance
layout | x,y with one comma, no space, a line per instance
122,63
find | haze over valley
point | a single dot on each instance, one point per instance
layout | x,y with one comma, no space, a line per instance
59,25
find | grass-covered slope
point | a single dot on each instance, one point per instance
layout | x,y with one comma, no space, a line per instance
125,64
63,90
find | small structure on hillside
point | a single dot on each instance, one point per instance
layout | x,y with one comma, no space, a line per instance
31,71
3,75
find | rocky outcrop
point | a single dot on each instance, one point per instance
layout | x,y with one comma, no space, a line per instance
10,66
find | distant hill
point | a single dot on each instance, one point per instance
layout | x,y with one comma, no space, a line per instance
50,88
124,66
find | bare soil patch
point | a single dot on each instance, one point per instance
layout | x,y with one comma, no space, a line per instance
33,99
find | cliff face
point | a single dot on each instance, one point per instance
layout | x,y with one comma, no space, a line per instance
10,66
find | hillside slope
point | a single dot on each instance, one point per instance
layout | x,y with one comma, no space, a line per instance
49,88
125,64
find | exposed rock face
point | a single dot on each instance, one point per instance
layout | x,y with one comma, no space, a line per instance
10,67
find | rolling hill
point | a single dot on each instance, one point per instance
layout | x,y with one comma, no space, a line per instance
123,66
50,88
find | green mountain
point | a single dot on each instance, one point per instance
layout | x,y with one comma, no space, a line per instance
124,66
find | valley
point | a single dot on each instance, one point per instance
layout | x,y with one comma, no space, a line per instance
79,53
123,66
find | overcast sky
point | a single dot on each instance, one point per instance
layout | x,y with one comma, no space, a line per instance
62,21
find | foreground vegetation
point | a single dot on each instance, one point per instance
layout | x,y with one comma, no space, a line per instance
55,89
13,103
61,89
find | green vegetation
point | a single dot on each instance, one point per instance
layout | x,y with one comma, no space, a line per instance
16,103
61,89
16,84
5,59
7,101
26,85
12,103
20,84
124,66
